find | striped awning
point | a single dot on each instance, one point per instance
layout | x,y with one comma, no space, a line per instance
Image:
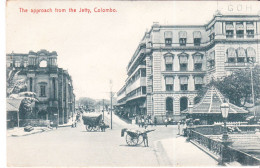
212,55
183,59
183,80
239,26
168,60
241,52
182,34
231,52
198,80
229,27
197,34
197,59
250,26
169,80
168,34
250,52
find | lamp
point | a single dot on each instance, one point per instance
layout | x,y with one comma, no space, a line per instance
224,107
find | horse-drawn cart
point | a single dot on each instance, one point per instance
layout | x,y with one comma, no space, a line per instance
92,121
134,137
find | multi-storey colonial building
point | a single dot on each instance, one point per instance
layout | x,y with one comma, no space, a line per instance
52,85
173,61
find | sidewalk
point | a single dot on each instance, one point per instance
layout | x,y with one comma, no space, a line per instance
181,153
71,120
17,132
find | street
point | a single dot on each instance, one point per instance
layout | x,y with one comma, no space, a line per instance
76,147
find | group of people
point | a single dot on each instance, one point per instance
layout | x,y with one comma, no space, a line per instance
144,121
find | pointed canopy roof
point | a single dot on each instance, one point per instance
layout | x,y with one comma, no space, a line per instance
210,104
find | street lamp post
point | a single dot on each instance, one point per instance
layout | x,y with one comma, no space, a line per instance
224,107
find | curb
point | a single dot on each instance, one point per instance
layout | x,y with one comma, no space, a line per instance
40,131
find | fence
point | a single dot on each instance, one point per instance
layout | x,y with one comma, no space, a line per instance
216,149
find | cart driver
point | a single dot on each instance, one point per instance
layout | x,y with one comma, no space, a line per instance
145,139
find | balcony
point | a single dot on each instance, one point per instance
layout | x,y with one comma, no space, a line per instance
136,84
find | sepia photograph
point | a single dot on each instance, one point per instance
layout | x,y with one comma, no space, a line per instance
132,83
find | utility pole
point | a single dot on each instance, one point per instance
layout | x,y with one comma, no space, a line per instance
111,96
252,86
103,111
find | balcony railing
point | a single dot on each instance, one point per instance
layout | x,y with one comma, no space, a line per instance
215,148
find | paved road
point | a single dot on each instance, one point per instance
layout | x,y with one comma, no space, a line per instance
76,147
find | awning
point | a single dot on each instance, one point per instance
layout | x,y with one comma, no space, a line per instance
168,60
249,26
250,52
198,80
212,55
183,80
229,27
197,34
197,59
239,27
231,52
13,104
168,34
169,80
183,59
182,34
241,52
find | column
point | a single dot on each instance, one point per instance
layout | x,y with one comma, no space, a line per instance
176,83
191,83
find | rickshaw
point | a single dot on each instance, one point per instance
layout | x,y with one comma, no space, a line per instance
134,137
92,121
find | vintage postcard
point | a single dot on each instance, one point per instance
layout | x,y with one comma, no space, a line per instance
132,83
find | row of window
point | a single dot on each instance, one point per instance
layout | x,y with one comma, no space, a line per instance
241,55
239,29
182,38
183,61
169,83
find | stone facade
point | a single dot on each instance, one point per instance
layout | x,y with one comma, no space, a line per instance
52,85
181,59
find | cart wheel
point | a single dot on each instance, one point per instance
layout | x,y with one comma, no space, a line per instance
132,141
88,128
96,128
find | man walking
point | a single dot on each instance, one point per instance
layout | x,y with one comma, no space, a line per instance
145,139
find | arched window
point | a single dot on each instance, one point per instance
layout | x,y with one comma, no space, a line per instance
183,103
231,55
169,106
43,64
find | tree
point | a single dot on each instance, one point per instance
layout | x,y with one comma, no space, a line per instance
17,89
237,86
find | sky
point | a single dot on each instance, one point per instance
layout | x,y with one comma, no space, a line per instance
96,47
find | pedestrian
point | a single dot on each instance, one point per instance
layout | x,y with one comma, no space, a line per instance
155,121
166,122
145,139
146,123
142,122
179,128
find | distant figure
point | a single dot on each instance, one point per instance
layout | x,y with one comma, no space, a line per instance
166,122
145,139
142,122
155,121
179,128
